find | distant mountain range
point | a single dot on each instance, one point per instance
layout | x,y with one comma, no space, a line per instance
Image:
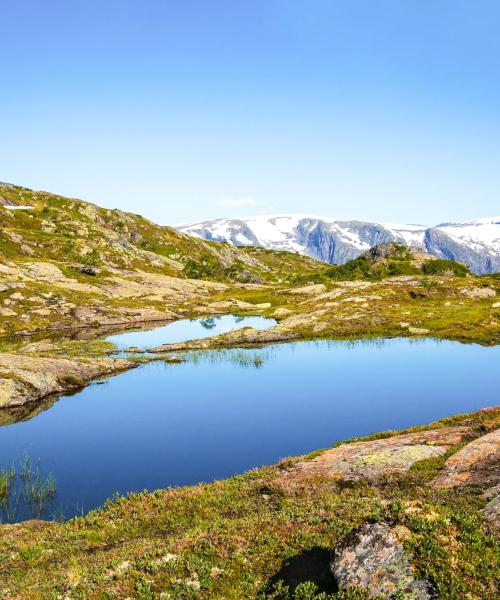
476,243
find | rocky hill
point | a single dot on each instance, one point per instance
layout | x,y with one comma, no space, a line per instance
475,243
392,259
39,225
70,268
65,263
68,261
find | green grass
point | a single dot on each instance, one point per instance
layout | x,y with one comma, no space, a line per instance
25,490
239,537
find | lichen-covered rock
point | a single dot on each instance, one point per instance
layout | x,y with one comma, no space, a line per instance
475,464
309,290
479,293
247,336
378,458
492,512
418,330
372,558
25,379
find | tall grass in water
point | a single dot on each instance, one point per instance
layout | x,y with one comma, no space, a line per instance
25,492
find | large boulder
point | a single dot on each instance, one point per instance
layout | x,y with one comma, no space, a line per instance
372,558
476,464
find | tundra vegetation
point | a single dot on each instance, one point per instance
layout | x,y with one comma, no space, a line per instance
71,271
266,534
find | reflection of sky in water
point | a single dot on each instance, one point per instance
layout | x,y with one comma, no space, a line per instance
182,331
224,412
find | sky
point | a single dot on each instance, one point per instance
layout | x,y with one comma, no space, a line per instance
186,110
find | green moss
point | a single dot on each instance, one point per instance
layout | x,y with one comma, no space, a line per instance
239,537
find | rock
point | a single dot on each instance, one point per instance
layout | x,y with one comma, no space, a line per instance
492,512
7,312
25,379
15,237
372,558
221,305
45,271
306,319
3,287
495,305
376,458
263,305
279,313
41,346
418,330
478,293
359,299
43,312
87,270
330,295
25,249
308,290
476,464
354,284
247,336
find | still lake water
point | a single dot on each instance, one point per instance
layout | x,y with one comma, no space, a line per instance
224,412
182,331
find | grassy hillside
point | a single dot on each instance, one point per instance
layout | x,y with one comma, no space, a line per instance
240,537
65,263
79,234
392,260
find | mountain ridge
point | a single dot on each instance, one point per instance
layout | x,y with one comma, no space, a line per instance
475,242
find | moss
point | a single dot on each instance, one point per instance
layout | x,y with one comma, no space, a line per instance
237,538
71,381
445,267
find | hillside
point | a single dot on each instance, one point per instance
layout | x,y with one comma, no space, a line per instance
407,514
391,260
77,263
51,227
475,243
67,265
70,272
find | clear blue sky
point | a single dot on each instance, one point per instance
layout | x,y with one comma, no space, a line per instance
192,109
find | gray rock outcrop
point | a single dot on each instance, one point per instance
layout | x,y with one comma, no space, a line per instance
372,558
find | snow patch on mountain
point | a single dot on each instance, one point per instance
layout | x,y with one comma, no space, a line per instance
477,243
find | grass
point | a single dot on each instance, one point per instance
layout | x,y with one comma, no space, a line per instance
240,537
25,492
67,232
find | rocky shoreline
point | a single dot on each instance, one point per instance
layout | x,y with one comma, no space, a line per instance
393,515
27,379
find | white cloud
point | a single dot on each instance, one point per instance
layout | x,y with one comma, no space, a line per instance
232,202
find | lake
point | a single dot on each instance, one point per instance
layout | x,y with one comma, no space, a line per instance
186,329
224,412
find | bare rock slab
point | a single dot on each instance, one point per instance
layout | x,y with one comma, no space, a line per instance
25,379
372,558
372,459
476,464
240,337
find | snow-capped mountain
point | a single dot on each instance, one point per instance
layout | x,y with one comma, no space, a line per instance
476,243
